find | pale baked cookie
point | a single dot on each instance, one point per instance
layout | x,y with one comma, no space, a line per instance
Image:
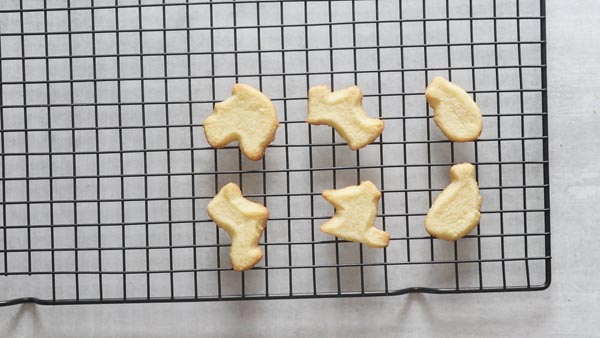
343,111
355,212
243,220
455,212
455,112
247,116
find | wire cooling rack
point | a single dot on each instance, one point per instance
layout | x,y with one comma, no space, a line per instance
106,173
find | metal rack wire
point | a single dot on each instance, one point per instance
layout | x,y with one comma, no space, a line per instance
106,173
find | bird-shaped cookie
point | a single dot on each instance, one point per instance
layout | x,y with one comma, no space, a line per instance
355,212
455,212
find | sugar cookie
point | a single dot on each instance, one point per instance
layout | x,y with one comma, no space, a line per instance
343,111
455,112
355,212
243,220
455,212
247,116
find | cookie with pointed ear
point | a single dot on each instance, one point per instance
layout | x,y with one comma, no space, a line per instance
244,221
248,116
355,212
455,112
342,110
455,212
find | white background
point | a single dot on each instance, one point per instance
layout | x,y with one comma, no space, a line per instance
570,307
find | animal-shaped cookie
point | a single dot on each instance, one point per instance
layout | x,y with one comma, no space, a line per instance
355,212
248,116
455,112
243,220
342,109
455,212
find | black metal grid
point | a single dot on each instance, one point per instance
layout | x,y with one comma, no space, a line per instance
106,173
